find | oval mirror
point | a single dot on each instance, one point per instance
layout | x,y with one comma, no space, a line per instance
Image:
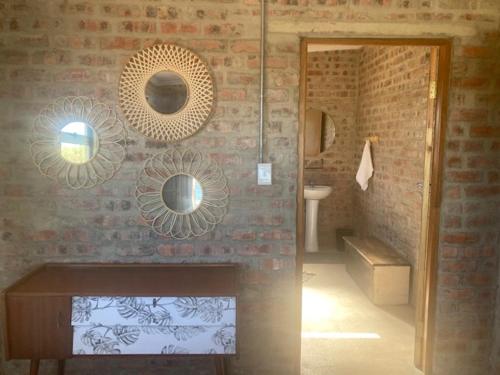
182,193
79,142
319,132
166,92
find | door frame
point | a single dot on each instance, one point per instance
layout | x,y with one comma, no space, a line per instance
432,195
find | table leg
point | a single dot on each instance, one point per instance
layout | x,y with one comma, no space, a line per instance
220,366
60,367
34,365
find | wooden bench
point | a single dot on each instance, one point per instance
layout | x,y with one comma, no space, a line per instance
378,270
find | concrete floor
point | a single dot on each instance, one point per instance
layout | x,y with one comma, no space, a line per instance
343,333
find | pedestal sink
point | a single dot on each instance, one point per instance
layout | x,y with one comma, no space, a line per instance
313,194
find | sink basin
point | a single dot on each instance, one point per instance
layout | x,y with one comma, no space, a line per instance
316,192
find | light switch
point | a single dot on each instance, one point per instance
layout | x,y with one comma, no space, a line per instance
264,174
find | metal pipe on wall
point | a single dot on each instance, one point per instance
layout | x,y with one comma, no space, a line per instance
262,59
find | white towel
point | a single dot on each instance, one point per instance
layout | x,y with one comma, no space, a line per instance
365,170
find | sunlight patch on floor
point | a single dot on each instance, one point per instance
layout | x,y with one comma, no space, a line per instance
340,335
344,333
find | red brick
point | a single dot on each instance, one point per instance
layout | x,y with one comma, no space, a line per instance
449,252
452,221
459,294
485,131
189,28
478,279
454,162
464,176
121,10
244,236
138,26
208,45
481,221
120,43
226,29
482,162
14,57
256,250
168,27
461,238
473,146
168,250
476,51
245,46
44,235
482,191
93,25
473,83
449,280
232,95
453,192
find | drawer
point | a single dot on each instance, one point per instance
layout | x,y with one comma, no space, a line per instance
153,325
170,340
151,311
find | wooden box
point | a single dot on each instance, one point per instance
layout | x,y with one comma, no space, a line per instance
379,271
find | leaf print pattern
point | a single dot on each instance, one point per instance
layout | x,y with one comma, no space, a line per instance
183,333
82,309
226,337
131,308
101,344
210,310
172,349
149,325
126,335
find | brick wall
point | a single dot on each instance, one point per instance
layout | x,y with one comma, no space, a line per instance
332,87
64,47
56,48
392,104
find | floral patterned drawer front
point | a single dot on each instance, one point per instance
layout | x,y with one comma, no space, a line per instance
154,325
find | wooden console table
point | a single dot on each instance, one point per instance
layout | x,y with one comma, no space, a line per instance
63,311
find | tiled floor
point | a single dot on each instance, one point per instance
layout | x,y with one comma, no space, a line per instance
345,334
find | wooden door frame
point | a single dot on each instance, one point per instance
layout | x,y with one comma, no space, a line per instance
436,129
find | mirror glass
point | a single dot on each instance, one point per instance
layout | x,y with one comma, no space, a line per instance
319,132
79,142
182,193
166,92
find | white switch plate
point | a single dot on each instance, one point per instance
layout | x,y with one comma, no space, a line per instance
264,174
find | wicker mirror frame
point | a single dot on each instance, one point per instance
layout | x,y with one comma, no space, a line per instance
45,141
166,127
168,222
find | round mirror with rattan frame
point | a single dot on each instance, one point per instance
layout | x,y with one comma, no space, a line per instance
163,217
61,150
169,127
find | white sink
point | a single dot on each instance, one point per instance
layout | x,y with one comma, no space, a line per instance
313,194
316,192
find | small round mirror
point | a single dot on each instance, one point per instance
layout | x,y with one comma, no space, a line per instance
182,193
79,142
166,92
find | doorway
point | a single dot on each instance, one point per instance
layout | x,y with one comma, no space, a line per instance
437,52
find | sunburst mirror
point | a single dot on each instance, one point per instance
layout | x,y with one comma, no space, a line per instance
166,92
78,142
182,193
